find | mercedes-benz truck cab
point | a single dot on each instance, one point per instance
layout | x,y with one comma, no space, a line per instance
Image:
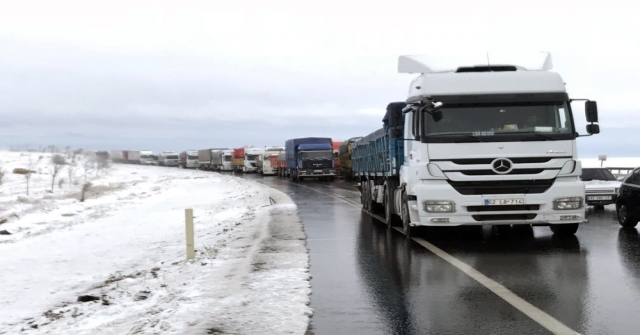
490,144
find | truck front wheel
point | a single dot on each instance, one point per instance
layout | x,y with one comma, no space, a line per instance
406,218
564,230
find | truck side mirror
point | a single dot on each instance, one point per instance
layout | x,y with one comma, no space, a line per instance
593,128
591,111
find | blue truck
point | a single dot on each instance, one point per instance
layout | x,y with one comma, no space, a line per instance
310,157
377,159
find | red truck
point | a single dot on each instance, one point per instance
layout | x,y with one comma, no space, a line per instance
280,162
237,159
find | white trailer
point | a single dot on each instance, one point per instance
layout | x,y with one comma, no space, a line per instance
117,156
478,145
133,157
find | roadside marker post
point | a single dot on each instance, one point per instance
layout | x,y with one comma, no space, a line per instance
188,213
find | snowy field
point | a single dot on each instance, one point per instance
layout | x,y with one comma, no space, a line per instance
125,247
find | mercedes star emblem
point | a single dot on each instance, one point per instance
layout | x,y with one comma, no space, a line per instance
501,165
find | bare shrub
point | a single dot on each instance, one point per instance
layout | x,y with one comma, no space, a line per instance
1,175
20,171
57,163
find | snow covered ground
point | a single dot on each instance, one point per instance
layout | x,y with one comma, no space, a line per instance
125,245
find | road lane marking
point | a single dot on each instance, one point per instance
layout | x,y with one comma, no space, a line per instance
536,314
539,316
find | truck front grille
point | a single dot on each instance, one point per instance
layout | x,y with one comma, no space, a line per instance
501,187
519,160
491,173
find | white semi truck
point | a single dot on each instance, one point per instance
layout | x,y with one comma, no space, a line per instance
168,158
226,160
265,165
251,158
477,145
189,159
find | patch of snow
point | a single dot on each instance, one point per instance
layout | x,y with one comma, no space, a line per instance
125,245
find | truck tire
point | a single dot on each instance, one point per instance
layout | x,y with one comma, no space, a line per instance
393,220
406,218
364,195
624,217
564,230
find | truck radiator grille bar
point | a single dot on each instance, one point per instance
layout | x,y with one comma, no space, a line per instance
503,208
504,217
318,164
501,187
518,160
491,173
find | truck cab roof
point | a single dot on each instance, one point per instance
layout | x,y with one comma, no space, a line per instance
481,74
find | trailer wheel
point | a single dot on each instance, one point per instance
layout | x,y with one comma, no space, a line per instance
366,202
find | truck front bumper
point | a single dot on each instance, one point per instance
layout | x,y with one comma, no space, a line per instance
536,209
311,173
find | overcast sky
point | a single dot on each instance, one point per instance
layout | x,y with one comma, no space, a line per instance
188,74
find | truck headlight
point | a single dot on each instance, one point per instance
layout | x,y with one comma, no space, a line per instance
567,203
617,191
439,206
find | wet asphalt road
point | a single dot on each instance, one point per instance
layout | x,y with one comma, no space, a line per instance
367,279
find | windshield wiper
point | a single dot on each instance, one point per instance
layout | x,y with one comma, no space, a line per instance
477,138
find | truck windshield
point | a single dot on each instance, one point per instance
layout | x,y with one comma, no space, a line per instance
596,174
252,157
192,157
172,157
227,158
541,121
316,155
146,157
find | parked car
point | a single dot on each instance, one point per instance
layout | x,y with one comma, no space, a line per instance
601,187
628,202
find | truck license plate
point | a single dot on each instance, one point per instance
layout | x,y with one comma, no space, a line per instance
317,171
599,197
496,202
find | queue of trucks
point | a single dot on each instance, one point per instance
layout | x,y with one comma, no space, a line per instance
491,144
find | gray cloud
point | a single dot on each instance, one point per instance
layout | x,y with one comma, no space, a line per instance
200,74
